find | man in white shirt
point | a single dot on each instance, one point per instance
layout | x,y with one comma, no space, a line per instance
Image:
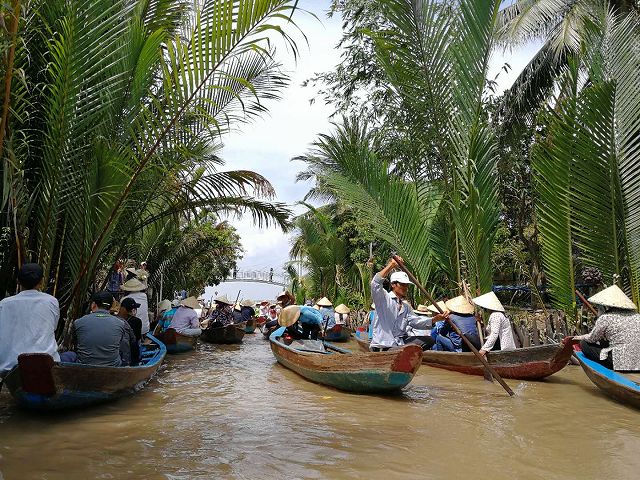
393,313
28,320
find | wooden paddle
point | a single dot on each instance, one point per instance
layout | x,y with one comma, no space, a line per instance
586,303
488,367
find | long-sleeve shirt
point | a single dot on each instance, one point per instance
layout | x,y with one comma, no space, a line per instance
328,317
28,323
622,331
310,316
184,318
499,327
143,310
393,317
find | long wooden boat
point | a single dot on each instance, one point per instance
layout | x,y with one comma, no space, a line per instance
345,370
530,363
228,334
177,343
251,325
39,383
617,385
338,333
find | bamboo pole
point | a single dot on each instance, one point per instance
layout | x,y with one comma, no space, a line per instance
424,291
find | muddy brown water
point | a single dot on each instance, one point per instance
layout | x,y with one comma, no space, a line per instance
233,412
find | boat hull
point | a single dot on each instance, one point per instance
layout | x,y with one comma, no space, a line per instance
531,363
352,372
177,343
224,335
251,325
612,383
39,383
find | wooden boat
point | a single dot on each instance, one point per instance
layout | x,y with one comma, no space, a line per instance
620,386
342,369
530,363
224,335
177,343
39,383
251,325
338,333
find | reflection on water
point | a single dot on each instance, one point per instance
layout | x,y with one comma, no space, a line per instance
232,412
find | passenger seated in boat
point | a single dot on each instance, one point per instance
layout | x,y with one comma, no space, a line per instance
247,312
98,337
223,314
285,299
272,319
615,339
462,315
237,313
165,320
327,312
420,337
163,306
185,320
499,332
28,320
302,322
342,314
264,309
394,314
126,311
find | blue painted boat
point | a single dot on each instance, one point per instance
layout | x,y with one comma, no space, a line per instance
615,384
39,383
343,369
177,343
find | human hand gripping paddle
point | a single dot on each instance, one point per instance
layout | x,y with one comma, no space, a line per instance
488,367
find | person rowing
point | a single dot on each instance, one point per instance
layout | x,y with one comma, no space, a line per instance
301,322
394,314
614,341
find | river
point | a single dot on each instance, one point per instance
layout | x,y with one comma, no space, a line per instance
233,412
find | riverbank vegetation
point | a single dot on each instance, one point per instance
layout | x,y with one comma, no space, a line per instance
538,184
113,113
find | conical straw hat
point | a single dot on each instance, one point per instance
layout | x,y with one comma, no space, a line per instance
489,301
342,308
613,297
164,305
223,299
133,285
289,315
460,305
441,304
324,302
246,303
191,302
373,306
422,310
237,307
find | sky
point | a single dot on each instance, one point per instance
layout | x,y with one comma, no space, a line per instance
287,130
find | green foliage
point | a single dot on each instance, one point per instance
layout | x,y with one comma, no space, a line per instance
117,112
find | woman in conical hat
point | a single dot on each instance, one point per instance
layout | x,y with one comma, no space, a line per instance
136,291
302,322
615,339
328,313
462,315
499,332
342,314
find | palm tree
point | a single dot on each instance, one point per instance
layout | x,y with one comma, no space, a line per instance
114,114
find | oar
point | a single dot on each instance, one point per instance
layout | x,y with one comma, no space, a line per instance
586,303
455,327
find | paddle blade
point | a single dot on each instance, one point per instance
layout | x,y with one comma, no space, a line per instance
487,375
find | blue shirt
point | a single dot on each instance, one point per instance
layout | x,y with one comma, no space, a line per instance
466,324
310,316
328,316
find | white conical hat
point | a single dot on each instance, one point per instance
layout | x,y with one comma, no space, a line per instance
422,310
133,285
613,297
223,299
441,304
289,315
164,305
489,301
342,308
460,305
191,302
324,302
